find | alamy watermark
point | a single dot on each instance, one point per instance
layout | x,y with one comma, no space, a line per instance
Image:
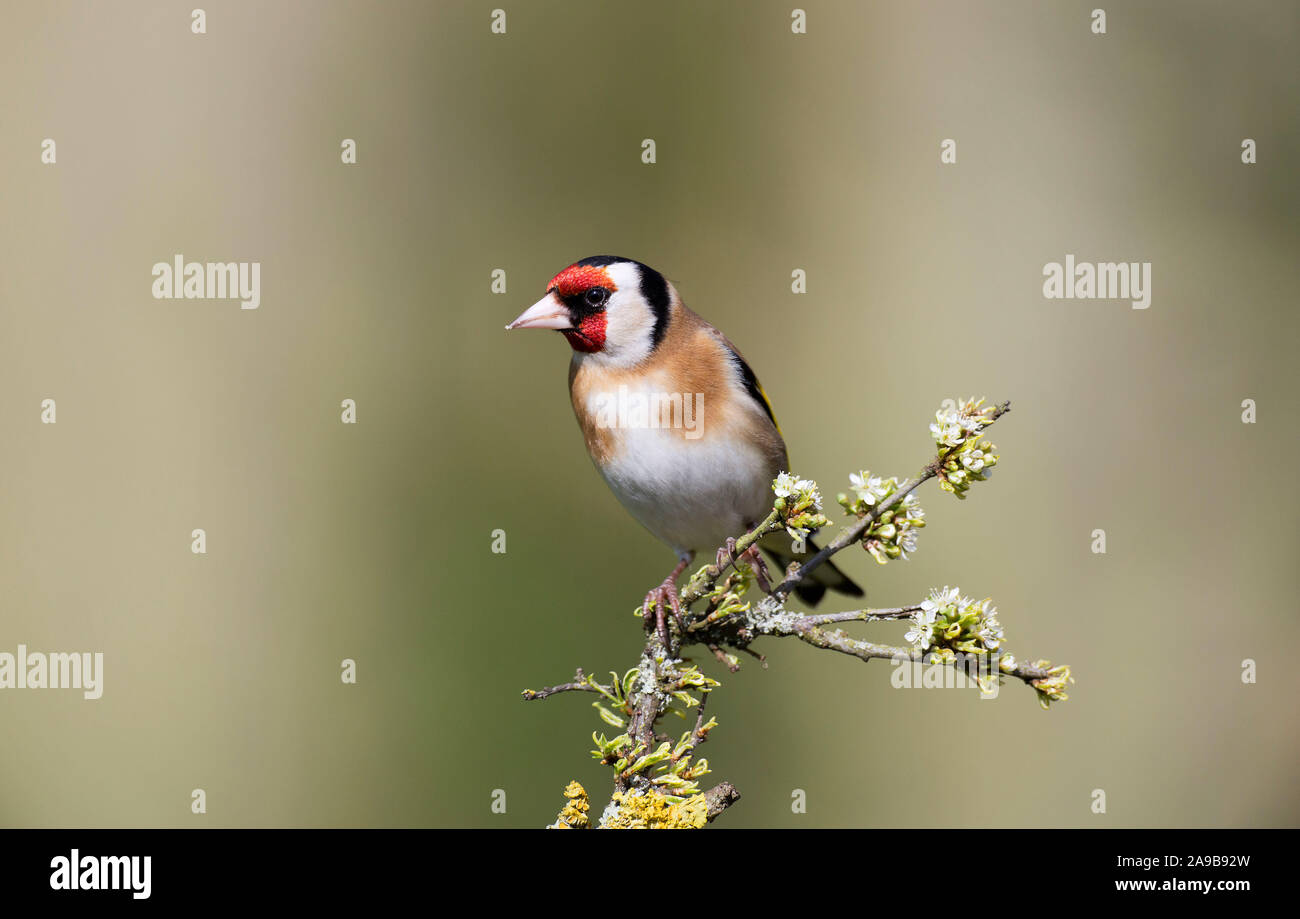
640,409
55,670
75,871
1100,281
966,671
182,280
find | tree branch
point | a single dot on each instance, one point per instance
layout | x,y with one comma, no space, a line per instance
851,534
650,773
579,684
719,798
808,631
864,615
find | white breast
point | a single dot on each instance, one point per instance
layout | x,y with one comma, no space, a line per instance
691,493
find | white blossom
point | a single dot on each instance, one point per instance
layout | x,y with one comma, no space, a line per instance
922,628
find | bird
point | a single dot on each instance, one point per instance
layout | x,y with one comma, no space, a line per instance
674,419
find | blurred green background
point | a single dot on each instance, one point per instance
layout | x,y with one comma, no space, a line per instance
522,151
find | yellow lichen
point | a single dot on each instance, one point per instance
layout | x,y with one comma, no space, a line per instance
573,816
655,812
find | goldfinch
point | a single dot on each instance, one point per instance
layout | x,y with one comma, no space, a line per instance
673,417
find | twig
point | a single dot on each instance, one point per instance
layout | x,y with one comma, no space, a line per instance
851,534
804,629
699,735
722,658
864,615
719,798
579,684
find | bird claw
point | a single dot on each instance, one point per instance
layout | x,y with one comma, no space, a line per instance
755,560
661,597
727,554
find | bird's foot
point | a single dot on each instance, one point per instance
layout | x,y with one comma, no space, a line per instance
727,554
754,558
664,597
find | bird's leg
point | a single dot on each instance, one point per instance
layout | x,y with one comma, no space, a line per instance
665,595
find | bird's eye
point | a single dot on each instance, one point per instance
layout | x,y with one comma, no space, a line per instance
597,296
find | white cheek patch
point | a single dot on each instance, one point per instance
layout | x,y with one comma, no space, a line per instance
629,326
629,321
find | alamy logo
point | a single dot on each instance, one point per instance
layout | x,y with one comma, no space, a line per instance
56,670
628,409
965,671
1100,281
181,280
105,872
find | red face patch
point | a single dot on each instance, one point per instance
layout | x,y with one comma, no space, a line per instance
589,336
577,279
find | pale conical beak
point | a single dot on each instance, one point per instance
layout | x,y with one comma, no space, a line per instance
547,313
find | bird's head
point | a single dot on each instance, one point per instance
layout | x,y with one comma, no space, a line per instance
605,305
